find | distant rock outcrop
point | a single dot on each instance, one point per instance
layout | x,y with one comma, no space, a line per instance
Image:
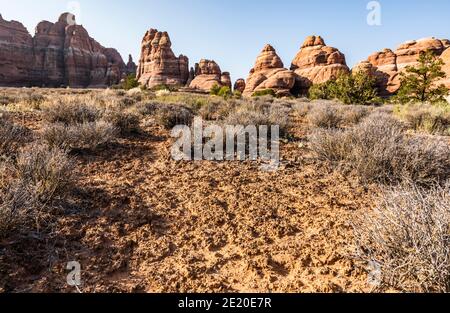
387,64
239,85
317,63
60,54
269,73
158,65
208,74
131,66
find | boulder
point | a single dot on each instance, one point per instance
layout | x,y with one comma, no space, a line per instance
208,74
158,65
317,63
269,73
239,85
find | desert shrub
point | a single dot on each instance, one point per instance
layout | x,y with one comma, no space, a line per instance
358,88
302,108
354,114
171,88
407,237
216,109
330,144
225,92
130,82
171,115
420,83
125,122
257,114
70,111
433,119
215,89
11,136
162,93
237,94
79,136
48,171
264,92
378,150
15,204
325,116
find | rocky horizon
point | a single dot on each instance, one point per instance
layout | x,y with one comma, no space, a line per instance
63,54
59,54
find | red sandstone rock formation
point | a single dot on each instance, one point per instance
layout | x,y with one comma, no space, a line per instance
131,66
208,74
158,64
388,64
317,63
269,73
60,53
239,85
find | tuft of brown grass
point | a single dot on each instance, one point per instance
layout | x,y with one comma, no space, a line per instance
407,237
12,136
432,119
79,136
378,150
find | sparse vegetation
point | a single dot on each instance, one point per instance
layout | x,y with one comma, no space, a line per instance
378,150
432,119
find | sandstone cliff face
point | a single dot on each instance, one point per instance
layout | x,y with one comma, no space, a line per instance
317,63
446,68
60,54
269,73
158,64
207,74
388,64
16,55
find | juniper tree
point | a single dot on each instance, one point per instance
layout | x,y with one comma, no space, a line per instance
420,83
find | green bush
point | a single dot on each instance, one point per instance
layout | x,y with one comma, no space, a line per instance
265,92
419,83
215,89
130,82
358,88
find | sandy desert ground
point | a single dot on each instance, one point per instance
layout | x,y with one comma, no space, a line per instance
138,221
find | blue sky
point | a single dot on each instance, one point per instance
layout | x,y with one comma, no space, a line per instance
232,32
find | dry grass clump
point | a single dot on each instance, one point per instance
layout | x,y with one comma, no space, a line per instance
11,136
125,122
171,115
87,136
328,114
432,119
48,171
29,185
259,113
378,150
408,237
69,111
